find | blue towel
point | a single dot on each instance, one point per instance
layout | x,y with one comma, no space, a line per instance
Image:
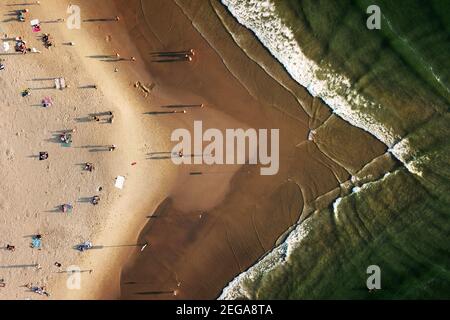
36,243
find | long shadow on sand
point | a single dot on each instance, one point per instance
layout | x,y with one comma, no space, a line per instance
147,293
157,113
19,266
96,148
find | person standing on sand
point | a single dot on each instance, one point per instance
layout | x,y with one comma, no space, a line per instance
89,167
95,200
67,208
10,248
21,15
43,156
26,92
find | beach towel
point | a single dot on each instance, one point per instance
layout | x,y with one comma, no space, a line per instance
35,243
119,182
35,25
47,102
6,46
84,246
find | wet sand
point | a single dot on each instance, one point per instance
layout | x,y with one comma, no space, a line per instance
194,249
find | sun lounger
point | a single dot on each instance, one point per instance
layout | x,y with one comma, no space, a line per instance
6,46
60,83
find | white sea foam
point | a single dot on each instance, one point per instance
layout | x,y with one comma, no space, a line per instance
261,17
335,89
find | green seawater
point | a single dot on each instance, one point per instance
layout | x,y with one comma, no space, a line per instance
401,222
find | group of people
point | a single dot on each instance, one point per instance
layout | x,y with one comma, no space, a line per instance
46,39
21,45
21,15
64,137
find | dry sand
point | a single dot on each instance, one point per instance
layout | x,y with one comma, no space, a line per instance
31,189
205,229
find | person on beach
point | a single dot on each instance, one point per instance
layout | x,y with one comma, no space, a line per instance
84,246
66,207
112,148
43,156
66,138
2,283
10,248
58,265
40,290
95,200
2,66
46,40
26,92
89,167
21,45
47,102
21,15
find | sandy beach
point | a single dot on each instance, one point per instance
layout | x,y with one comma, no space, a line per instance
33,189
201,231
